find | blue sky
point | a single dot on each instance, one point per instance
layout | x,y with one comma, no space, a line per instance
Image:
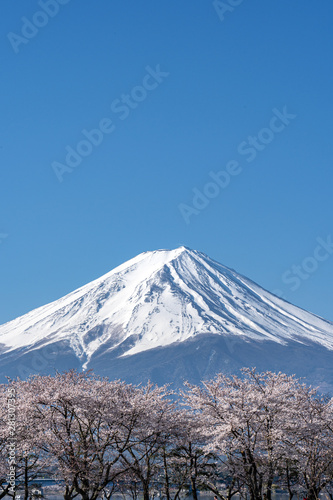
179,91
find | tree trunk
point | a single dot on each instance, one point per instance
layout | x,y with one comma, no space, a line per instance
254,487
145,492
230,492
269,489
194,488
166,476
26,480
69,493
312,493
84,495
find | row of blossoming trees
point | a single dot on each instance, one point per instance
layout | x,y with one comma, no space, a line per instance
231,435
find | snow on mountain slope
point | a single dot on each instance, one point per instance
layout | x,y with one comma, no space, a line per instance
159,298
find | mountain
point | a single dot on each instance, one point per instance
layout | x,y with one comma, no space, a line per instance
168,315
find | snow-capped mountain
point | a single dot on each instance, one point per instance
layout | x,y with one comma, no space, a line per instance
155,303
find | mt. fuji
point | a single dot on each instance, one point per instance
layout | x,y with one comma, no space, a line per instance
169,315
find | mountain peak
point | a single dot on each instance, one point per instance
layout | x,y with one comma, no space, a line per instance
160,298
168,253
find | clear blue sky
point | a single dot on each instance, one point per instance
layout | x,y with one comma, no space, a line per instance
220,77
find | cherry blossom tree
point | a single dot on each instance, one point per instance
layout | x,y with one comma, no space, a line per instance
86,428
245,420
185,463
4,434
230,433
31,459
310,443
155,423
